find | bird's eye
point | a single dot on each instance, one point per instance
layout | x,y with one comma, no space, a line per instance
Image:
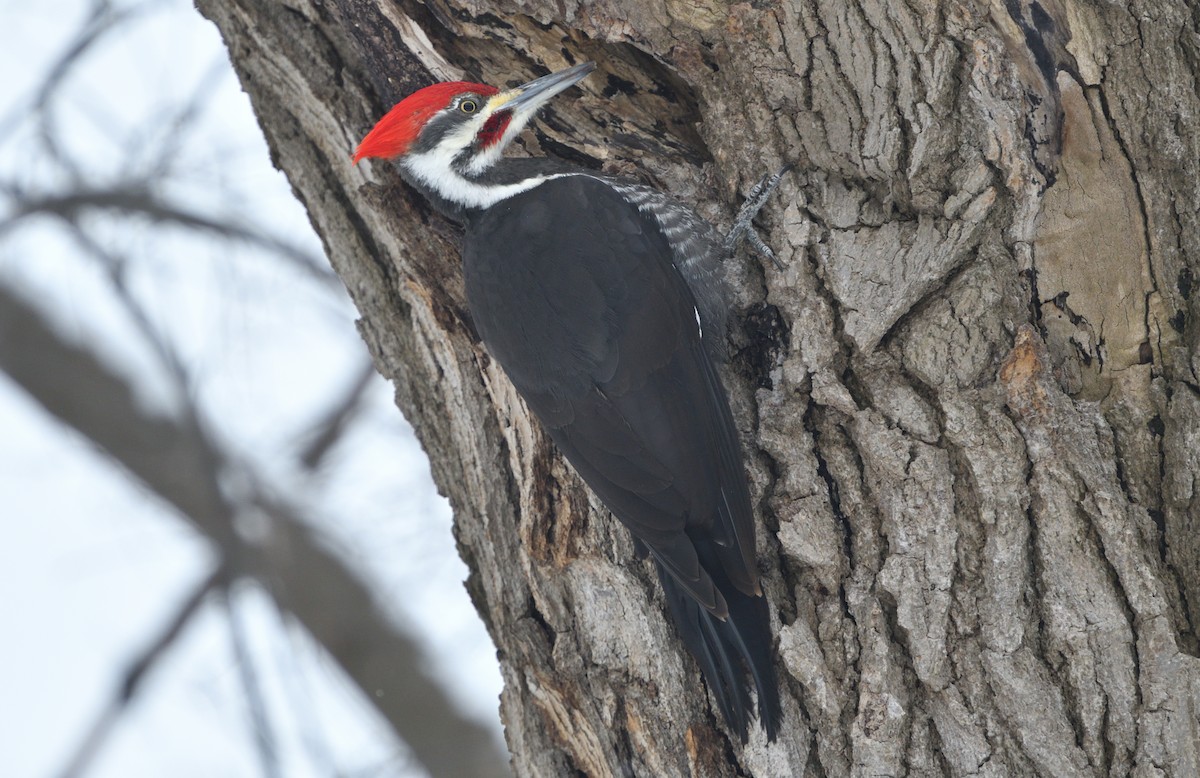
467,106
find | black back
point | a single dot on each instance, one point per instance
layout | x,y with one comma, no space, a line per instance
574,292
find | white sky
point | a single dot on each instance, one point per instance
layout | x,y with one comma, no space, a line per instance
91,566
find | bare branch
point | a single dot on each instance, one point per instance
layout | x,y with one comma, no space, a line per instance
175,129
264,737
139,201
137,672
339,610
300,698
177,460
326,433
153,335
103,19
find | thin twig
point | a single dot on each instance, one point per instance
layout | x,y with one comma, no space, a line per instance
155,337
301,700
179,462
264,736
136,200
139,668
175,129
326,433
102,20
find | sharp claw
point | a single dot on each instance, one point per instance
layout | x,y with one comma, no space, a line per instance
755,199
762,248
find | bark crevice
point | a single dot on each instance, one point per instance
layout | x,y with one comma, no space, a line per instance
971,400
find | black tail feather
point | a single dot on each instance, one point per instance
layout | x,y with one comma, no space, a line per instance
724,649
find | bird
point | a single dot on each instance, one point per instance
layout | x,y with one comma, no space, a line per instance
603,301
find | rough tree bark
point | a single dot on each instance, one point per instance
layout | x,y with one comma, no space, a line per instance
971,401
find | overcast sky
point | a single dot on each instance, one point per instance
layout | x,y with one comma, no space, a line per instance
91,566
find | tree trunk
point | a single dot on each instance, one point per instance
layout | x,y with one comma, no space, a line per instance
970,401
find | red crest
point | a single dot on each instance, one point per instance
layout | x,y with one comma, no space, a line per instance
397,130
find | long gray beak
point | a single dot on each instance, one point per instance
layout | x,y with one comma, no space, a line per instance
538,91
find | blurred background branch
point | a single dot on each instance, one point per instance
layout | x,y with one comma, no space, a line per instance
162,296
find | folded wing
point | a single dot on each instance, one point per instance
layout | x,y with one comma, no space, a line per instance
574,292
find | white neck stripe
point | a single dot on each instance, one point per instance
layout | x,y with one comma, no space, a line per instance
440,176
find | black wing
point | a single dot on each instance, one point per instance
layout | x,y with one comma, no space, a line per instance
573,291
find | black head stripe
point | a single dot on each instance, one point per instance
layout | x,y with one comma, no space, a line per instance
435,131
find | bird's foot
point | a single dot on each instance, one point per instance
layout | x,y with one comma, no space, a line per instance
756,198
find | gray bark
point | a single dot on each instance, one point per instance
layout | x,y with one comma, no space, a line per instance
970,401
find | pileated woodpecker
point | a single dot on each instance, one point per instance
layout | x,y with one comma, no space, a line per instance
603,301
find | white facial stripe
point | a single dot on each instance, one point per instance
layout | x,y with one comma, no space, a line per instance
435,170
488,156
461,137
436,167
